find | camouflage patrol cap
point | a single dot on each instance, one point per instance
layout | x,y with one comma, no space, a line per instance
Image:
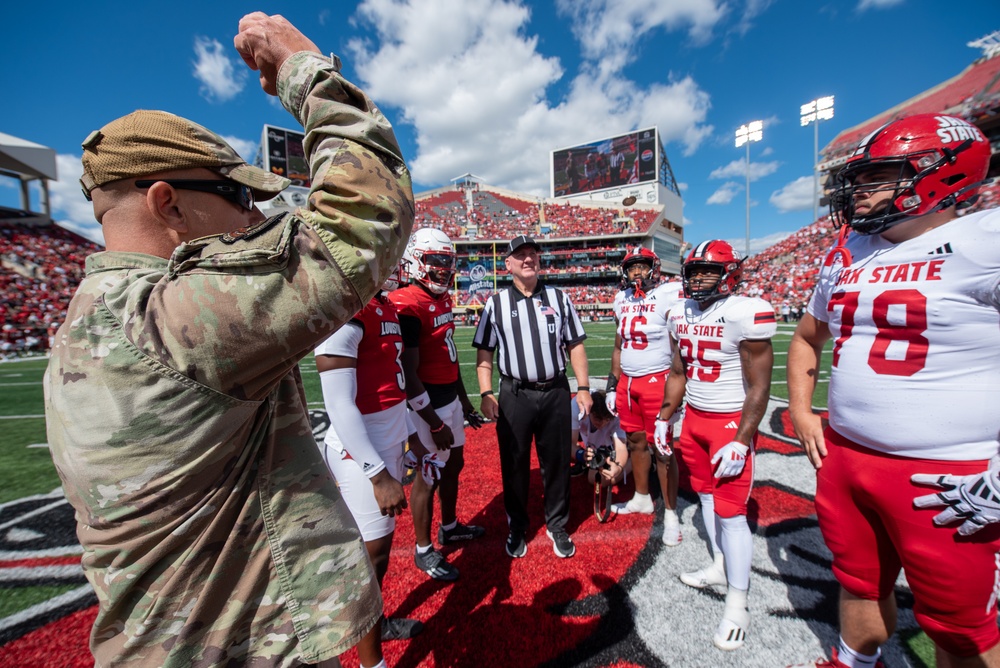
146,142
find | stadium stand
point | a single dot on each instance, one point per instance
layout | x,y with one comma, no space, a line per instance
40,268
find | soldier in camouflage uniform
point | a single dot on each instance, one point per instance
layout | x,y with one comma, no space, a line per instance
212,531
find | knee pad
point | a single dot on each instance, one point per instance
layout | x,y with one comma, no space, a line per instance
955,635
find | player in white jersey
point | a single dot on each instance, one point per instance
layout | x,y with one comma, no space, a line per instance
911,300
640,363
722,364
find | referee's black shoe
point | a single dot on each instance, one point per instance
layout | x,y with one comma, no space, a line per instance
459,532
515,546
562,544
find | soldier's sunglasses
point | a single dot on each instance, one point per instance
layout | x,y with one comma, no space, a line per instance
234,192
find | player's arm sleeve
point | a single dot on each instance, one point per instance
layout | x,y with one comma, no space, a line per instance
236,312
340,389
825,284
485,337
344,342
758,320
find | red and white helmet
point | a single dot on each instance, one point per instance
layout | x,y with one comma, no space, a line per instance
430,260
394,278
941,161
718,256
641,255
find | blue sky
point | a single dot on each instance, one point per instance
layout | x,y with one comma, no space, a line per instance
491,86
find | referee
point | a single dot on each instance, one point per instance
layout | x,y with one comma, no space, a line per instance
531,323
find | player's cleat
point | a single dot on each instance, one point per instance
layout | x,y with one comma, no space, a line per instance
710,576
459,532
832,662
633,506
562,544
515,545
672,535
435,565
732,630
400,628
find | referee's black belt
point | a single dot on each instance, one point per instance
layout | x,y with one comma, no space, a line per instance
541,386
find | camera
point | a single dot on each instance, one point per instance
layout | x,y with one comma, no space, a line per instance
603,456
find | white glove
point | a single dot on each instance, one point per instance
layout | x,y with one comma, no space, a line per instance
410,459
663,437
609,400
731,459
972,498
431,468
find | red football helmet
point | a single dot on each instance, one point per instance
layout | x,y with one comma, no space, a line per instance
717,256
941,161
644,256
430,259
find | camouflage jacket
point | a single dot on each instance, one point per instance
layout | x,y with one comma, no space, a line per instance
211,529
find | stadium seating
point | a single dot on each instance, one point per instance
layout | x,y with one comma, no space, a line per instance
41,268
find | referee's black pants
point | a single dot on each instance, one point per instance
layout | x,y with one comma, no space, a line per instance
542,415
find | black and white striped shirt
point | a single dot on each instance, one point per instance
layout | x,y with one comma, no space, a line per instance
531,332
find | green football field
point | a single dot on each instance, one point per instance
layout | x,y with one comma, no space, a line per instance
25,466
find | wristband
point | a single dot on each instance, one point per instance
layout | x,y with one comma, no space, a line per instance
439,428
487,393
420,401
583,388
612,383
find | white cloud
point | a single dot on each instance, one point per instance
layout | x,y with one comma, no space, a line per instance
752,10
758,245
245,147
473,85
69,206
878,4
610,28
725,194
738,168
220,79
795,196
682,186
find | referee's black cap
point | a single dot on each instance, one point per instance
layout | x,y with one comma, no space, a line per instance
523,240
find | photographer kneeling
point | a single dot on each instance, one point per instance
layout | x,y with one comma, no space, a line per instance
605,449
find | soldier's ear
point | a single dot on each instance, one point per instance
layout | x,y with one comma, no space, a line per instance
164,204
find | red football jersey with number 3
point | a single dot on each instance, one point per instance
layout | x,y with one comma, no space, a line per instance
438,355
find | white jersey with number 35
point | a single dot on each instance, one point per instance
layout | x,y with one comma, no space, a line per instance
709,342
916,330
642,326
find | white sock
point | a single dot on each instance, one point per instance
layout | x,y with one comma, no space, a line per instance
670,517
708,514
380,664
854,659
642,500
737,546
424,549
449,527
736,599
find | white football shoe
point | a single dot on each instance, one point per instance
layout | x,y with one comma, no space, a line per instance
710,576
732,631
672,535
634,506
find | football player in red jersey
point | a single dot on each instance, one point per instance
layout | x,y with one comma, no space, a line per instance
436,394
363,447
911,299
640,362
721,364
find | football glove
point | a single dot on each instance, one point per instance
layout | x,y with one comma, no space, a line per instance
730,459
663,437
474,418
609,400
410,460
975,499
431,467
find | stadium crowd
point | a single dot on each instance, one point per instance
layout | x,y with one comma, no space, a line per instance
41,268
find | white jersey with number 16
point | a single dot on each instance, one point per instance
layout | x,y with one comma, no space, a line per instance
642,326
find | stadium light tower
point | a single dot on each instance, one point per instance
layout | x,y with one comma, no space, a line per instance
752,131
820,109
